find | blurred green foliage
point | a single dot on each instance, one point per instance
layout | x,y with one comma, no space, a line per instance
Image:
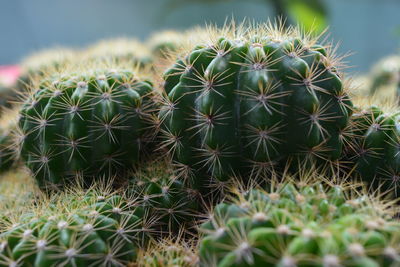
310,14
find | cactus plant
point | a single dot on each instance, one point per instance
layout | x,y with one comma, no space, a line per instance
373,147
301,224
88,124
163,197
165,42
384,73
77,228
172,251
118,51
251,99
42,63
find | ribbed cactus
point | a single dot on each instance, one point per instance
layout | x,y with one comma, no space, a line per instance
252,99
76,229
300,224
89,124
373,146
164,199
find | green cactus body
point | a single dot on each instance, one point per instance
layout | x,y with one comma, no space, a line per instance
91,230
242,105
93,124
375,147
166,201
303,225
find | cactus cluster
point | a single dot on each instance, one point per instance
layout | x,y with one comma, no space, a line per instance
301,224
73,229
85,124
165,200
253,99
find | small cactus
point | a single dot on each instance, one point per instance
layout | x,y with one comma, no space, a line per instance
85,124
168,252
250,99
301,224
385,73
42,63
118,51
165,198
92,228
373,146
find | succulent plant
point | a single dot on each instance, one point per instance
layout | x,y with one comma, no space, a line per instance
118,51
165,42
373,147
42,63
76,228
252,98
385,72
294,223
172,251
88,124
170,203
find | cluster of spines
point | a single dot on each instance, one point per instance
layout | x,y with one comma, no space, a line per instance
298,224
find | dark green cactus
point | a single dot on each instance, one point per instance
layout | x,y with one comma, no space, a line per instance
295,224
374,147
76,230
166,200
244,104
85,124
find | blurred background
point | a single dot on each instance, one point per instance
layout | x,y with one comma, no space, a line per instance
370,29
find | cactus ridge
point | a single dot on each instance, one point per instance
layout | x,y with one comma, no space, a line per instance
85,124
301,224
231,104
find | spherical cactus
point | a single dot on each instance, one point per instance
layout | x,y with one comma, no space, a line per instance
373,147
162,43
251,99
169,252
89,124
166,200
299,224
76,229
42,63
119,51
385,72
